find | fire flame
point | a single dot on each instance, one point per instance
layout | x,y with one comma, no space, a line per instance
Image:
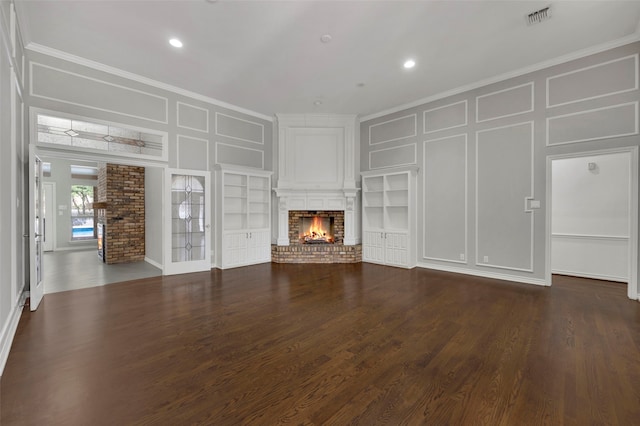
316,232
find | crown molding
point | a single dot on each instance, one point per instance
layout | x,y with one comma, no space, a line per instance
38,48
502,77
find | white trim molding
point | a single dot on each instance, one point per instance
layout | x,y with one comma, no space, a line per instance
9,330
35,47
484,274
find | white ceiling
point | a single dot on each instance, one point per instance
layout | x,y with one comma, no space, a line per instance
266,56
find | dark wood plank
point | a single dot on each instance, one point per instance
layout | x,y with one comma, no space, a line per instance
327,344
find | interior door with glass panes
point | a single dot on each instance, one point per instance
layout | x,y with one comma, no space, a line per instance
36,284
187,221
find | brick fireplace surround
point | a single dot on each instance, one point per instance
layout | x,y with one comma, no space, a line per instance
298,252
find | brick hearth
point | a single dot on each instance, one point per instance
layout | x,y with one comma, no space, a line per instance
316,253
297,252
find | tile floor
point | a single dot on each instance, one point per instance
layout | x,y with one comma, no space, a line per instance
72,270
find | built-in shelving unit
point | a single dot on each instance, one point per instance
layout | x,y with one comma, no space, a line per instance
389,216
243,221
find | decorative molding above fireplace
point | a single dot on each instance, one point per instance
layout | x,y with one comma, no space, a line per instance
317,165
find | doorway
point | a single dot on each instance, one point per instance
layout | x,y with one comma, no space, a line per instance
592,216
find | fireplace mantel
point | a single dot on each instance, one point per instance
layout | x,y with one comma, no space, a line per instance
317,163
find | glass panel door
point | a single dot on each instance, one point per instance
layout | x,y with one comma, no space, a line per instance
188,227
36,284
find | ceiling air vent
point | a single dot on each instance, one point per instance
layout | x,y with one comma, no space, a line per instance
539,16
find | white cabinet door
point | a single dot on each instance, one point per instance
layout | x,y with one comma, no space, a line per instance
263,241
234,249
396,248
373,247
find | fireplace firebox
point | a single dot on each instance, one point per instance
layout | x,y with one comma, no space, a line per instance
316,227
316,230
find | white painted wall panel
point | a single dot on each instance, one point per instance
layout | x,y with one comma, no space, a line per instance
55,84
445,117
590,257
617,76
391,157
193,153
505,103
240,129
602,123
239,156
316,156
504,179
445,195
393,130
192,117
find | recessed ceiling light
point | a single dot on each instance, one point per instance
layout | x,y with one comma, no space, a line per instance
326,38
409,63
175,42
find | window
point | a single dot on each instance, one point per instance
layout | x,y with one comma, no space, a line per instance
85,135
82,214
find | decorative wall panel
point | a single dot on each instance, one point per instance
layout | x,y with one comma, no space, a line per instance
239,156
445,117
505,103
393,130
237,128
607,78
504,181
602,123
391,157
64,86
192,117
445,199
193,153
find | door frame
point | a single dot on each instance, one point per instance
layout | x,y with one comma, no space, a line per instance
632,286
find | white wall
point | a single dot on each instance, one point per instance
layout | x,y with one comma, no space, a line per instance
12,174
590,216
153,178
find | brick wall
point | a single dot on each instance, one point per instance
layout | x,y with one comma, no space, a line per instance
122,188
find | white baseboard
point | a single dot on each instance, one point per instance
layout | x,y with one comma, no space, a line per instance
9,331
591,276
153,263
484,274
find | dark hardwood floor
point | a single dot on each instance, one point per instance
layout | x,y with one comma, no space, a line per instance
327,344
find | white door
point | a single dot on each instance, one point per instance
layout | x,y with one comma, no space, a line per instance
36,284
187,221
48,215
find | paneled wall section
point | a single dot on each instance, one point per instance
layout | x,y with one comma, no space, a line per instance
482,157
